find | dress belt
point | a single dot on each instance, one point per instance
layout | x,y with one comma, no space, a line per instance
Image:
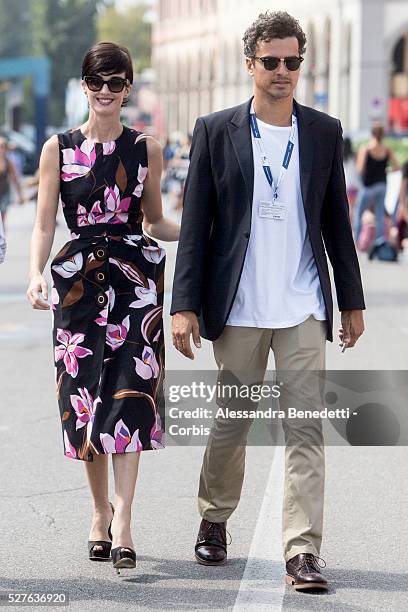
107,229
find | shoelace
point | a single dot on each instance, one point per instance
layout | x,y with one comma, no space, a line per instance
215,531
311,560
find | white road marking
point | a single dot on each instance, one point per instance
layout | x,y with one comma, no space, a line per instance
263,583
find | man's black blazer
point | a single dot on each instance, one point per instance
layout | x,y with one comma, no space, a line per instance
216,220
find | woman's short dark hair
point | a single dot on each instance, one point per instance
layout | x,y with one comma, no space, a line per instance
109,58
278,24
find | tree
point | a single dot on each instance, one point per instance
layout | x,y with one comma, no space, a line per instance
15,38
15,30
69,30
128,27
62,30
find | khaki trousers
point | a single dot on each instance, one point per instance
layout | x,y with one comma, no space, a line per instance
246,350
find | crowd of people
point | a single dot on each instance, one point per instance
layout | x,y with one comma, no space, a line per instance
378,231
175,167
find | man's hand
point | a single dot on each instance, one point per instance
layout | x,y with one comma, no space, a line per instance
185,323
352,326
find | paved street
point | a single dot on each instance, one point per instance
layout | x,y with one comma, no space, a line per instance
45,504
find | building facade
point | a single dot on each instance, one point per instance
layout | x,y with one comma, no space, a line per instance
356,57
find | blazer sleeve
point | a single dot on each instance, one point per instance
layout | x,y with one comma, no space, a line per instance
338,237
196,222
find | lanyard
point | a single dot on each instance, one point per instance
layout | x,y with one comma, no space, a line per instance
264,158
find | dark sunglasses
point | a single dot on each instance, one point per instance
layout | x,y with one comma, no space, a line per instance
115,84
271,63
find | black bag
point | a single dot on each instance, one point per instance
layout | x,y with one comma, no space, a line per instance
383,251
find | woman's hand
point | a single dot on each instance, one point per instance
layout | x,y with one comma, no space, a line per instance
38,285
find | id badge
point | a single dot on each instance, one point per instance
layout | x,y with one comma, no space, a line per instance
273,210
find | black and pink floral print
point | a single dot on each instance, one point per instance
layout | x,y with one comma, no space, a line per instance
107,302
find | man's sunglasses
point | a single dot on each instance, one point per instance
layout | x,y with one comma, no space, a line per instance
271,63
115,84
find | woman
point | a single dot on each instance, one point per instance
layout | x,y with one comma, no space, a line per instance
107,293
402,213
3,244
350,172
372,161
8,175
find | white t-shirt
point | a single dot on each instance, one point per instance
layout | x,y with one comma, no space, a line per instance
279,285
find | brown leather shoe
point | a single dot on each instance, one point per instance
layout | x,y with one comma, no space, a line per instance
211,545
303,572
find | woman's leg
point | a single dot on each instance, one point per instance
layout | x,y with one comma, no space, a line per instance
125,469
97,476
379,198
4,215
361,204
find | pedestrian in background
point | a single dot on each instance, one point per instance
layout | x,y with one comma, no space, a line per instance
3,244
353,181
16,157
107,294
8,177
372,162
168,154
265,187
402,213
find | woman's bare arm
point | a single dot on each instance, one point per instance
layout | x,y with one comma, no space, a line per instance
44,225
361,160
155,224
394,162
403,200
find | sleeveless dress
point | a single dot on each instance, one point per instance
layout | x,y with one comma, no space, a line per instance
107,301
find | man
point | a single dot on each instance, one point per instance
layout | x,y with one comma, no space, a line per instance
265,188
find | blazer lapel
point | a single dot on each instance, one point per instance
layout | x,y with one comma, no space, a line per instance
240,134
306,148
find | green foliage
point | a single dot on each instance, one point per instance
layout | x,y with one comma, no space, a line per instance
62,30
69,30
129,28
15,28
398,145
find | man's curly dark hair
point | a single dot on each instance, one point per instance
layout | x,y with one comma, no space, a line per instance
278,24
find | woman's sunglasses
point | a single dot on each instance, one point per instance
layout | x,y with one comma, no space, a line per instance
115,84
271,63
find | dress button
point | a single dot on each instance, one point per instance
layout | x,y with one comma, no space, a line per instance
100,276
100,253
101,299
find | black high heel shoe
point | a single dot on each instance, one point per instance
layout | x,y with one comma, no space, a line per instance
123,556
105,553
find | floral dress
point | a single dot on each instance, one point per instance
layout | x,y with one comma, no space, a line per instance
107,301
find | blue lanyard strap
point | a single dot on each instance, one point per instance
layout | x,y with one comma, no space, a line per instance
264,158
